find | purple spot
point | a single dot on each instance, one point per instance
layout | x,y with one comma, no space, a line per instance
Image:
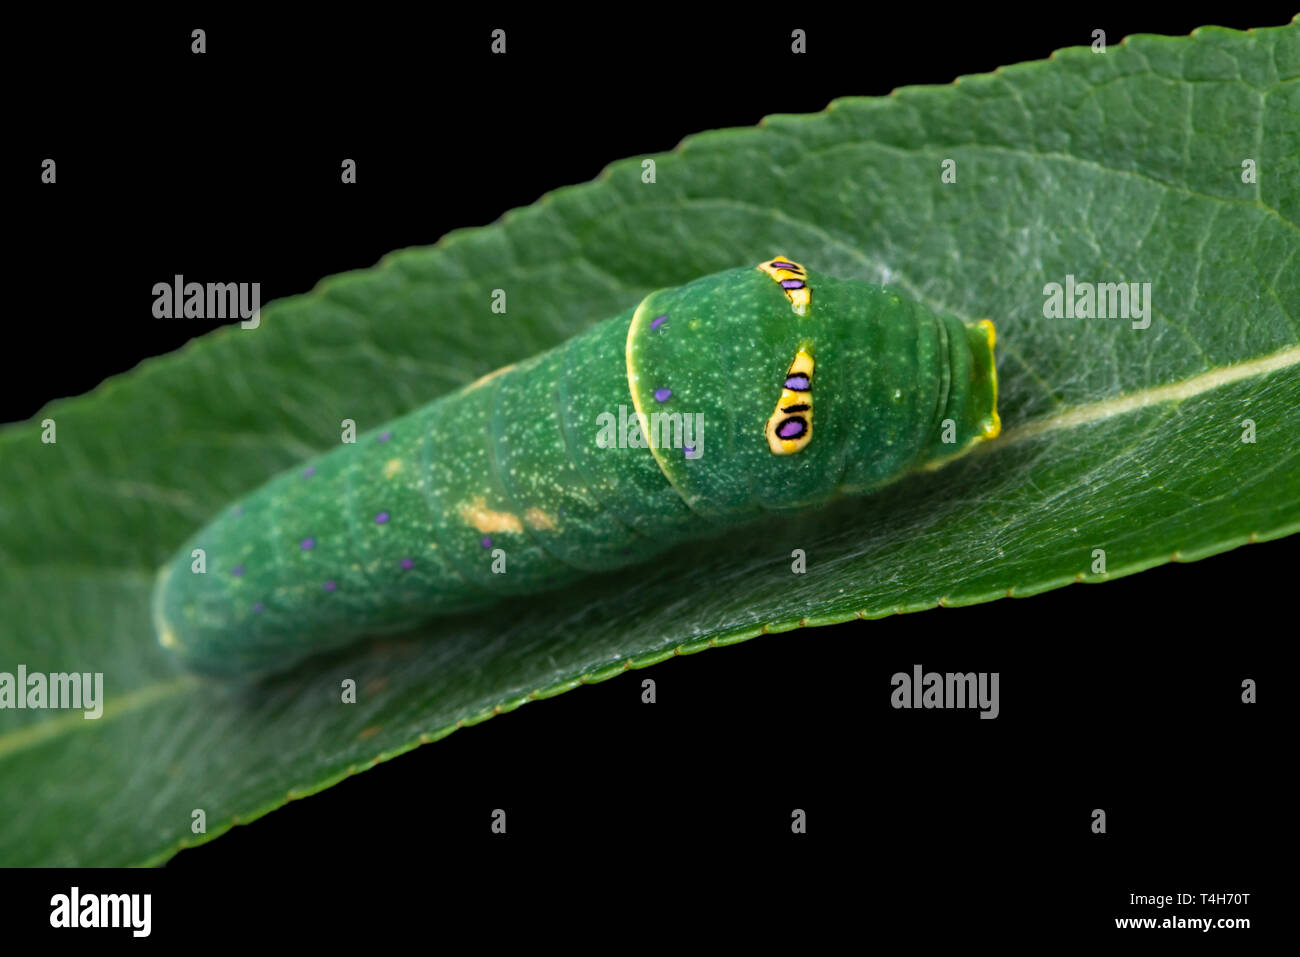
791,283
407,563
330,586
663,395
791,429
487,543
658,322
797,382
381,518
385,436
237,570
782,264
307,544
689,451
258,607
309,471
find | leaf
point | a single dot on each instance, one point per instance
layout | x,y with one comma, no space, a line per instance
1122,167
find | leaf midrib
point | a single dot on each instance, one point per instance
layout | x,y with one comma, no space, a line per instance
1145,398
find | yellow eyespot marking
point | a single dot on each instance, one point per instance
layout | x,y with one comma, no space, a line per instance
392,467
790,427
475,512
793,279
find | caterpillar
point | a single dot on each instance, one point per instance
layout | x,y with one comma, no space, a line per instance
748,391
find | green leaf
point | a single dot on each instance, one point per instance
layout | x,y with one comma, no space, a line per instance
1125,166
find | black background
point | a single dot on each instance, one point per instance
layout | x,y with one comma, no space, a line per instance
1124,696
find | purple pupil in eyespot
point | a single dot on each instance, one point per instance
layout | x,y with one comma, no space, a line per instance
791,428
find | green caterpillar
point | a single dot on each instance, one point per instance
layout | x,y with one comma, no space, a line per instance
750,390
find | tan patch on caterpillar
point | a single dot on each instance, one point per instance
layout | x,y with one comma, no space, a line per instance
475,512
392,467
536,518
